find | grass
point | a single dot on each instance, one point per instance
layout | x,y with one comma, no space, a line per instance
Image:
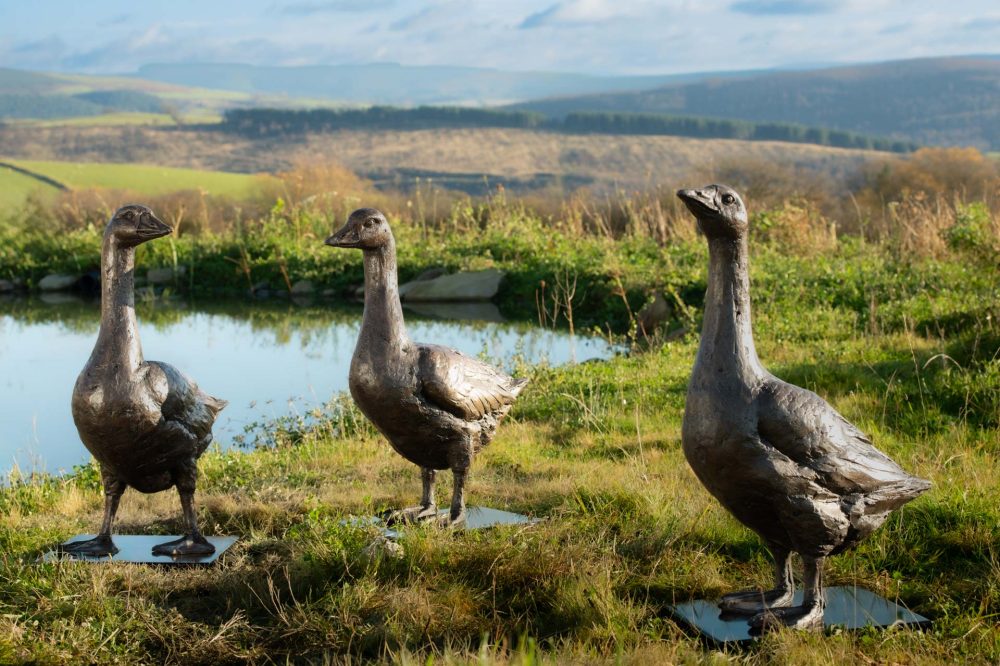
15,188
117,118
906,347
138,179
602,163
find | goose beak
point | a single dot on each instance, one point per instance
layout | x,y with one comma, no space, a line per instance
150,227
343,238
699,202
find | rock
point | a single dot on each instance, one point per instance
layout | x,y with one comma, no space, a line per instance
328,293
58,282
472,286
6,285
430,274
653,315
260,286
164,275
475,311
359,291
303,287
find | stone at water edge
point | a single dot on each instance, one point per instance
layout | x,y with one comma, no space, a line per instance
58,282
303,288
6,285
654,314
164,275
471,286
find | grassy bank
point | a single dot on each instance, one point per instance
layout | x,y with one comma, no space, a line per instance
907,348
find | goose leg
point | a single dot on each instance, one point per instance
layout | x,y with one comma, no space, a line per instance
807,616
461,461
101,545
427,508
751,602
192,543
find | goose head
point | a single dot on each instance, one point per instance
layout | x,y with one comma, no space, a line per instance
366,229
134,224
719,210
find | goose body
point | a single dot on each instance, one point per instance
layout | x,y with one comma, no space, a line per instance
436,406
145,422
777,456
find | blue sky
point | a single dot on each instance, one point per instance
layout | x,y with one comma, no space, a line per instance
589,36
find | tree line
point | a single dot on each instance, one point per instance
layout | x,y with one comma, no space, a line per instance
277,122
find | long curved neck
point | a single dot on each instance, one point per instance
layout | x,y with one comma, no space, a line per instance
382,323
727,336
118,346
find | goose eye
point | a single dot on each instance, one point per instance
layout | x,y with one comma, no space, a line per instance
728,199
369,223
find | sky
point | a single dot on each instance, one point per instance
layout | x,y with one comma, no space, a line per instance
586,36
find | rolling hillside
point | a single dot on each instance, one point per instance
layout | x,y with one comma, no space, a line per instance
36,97
389,83
144,179
934,101
470,159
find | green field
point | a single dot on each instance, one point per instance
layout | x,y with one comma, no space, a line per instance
901,333
15,189
138,178
906,350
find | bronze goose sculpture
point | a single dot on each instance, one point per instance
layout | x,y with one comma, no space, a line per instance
777,456
436,406
144,421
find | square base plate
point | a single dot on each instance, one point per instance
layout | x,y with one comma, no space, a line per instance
847,607
476,518
138,548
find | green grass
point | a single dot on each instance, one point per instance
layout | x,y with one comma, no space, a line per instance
907,348
118,118
15,188
143,178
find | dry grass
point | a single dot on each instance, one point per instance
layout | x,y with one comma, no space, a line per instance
608,162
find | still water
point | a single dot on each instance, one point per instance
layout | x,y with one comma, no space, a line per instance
266,359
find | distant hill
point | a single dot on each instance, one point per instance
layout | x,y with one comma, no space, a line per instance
935,101
401,85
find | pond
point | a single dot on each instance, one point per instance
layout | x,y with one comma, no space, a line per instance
268,359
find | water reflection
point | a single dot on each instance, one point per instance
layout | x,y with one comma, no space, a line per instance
268,359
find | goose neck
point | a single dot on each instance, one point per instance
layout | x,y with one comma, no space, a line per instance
727,344
382,323
118,346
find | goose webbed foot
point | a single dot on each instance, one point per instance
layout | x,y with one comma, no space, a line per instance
190,544
752,602
794,617
99,546
808,615
411,515
452,520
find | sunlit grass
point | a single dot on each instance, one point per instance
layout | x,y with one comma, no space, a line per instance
592,449
143,178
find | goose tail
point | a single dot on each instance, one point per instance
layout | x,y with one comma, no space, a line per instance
214,405
517,385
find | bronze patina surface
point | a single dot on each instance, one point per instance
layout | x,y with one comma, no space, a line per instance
777,456
144,421
436,406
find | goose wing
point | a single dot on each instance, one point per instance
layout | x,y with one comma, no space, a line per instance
180,400
462,385
804,427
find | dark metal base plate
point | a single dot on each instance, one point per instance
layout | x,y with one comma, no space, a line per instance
138,548
847,607
476,518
